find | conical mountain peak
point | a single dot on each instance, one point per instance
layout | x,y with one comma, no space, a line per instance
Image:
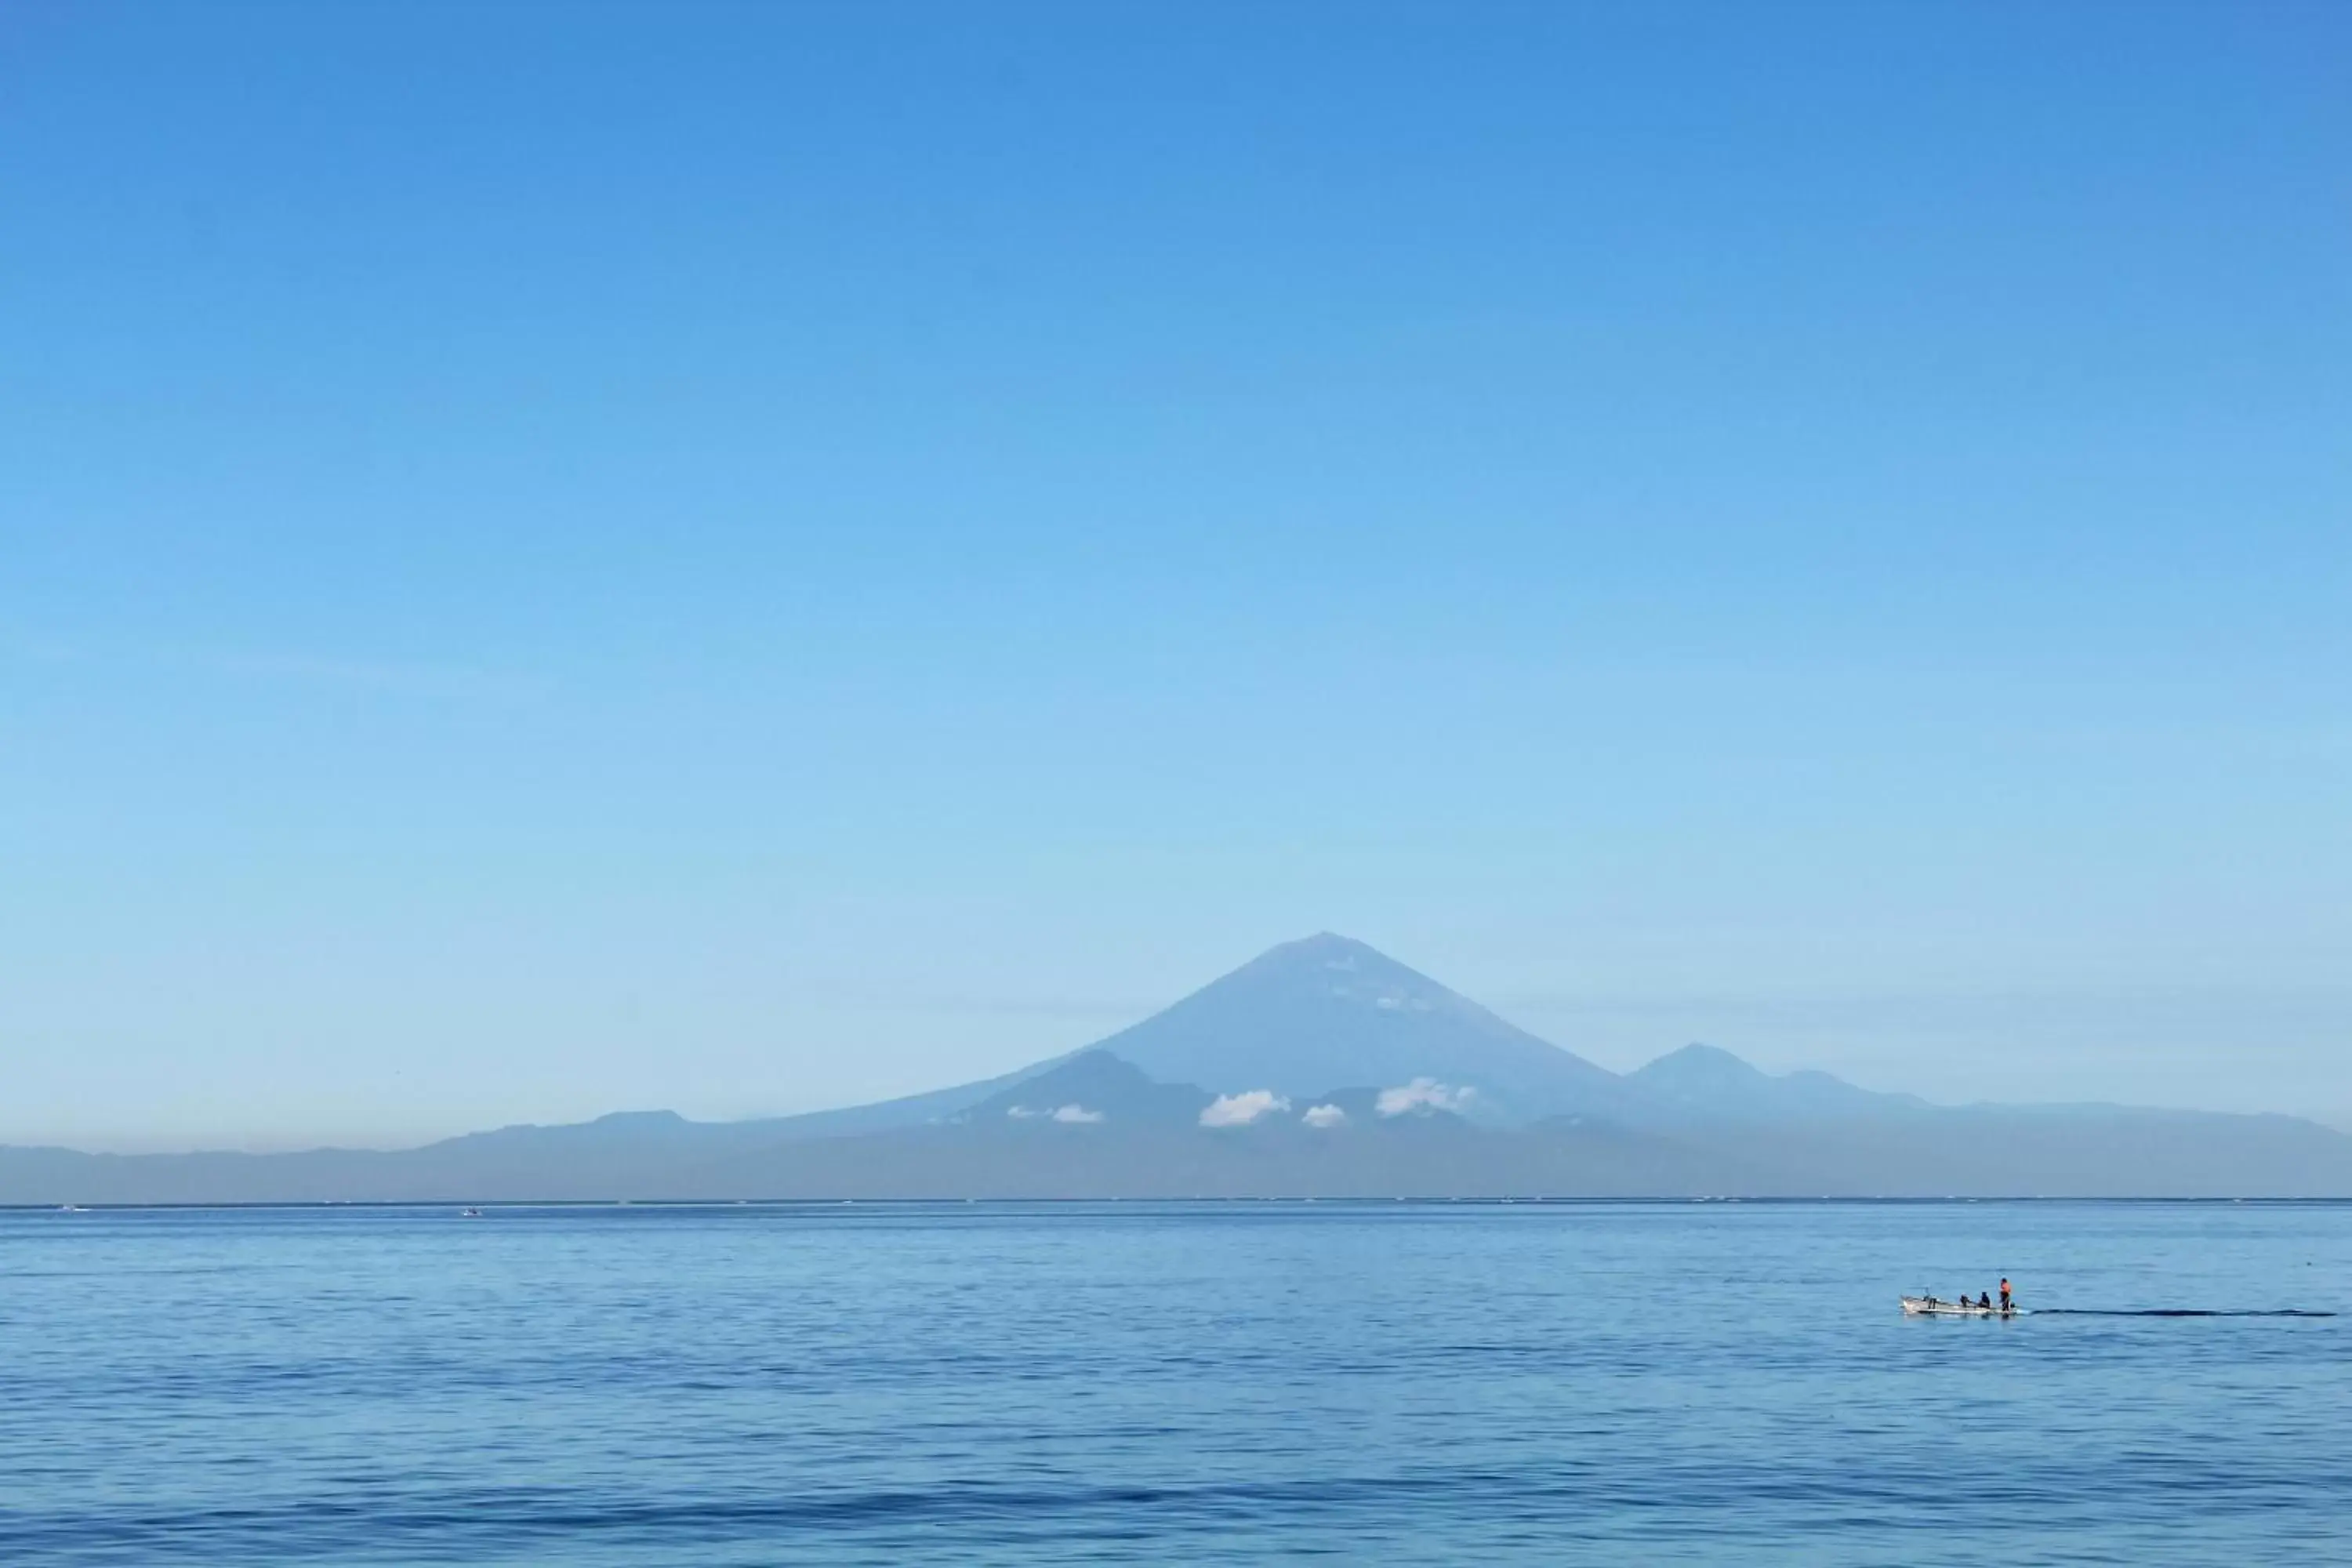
1329,1012
1324,946
1343,969
1324,950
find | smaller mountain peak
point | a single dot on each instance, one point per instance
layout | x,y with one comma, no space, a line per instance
1704,1081
1695,1061
1091,1086
1092,1067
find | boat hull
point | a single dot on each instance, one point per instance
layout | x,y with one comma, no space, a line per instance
1923,1306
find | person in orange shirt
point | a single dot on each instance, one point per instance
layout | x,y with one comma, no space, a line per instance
2004,1295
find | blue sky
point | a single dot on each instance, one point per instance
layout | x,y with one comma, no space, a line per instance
751,557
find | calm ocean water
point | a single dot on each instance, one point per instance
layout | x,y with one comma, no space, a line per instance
1128,1383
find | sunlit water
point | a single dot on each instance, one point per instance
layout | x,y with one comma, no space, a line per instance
1127,1383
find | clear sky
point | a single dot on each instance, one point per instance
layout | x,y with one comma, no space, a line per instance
561,558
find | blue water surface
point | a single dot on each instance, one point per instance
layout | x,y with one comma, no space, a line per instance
1196,1383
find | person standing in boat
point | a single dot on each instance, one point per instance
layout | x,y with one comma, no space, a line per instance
2004,1295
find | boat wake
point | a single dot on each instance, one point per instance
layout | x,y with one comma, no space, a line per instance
2168,1312
1929,1307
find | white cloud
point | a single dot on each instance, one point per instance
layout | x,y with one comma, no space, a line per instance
1241,1110
1423,1094
1068,1113
1325,1116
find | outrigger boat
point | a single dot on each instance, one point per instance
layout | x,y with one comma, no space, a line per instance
1929,1307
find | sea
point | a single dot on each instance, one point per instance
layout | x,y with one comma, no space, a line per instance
1129,1383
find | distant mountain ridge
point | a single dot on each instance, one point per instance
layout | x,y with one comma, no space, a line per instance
1321,1067
1700,1082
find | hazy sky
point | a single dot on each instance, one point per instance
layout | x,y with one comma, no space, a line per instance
746,558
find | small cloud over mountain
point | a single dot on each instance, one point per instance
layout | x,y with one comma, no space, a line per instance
1423,1094
1325,1116
1241,1110
1070,1114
